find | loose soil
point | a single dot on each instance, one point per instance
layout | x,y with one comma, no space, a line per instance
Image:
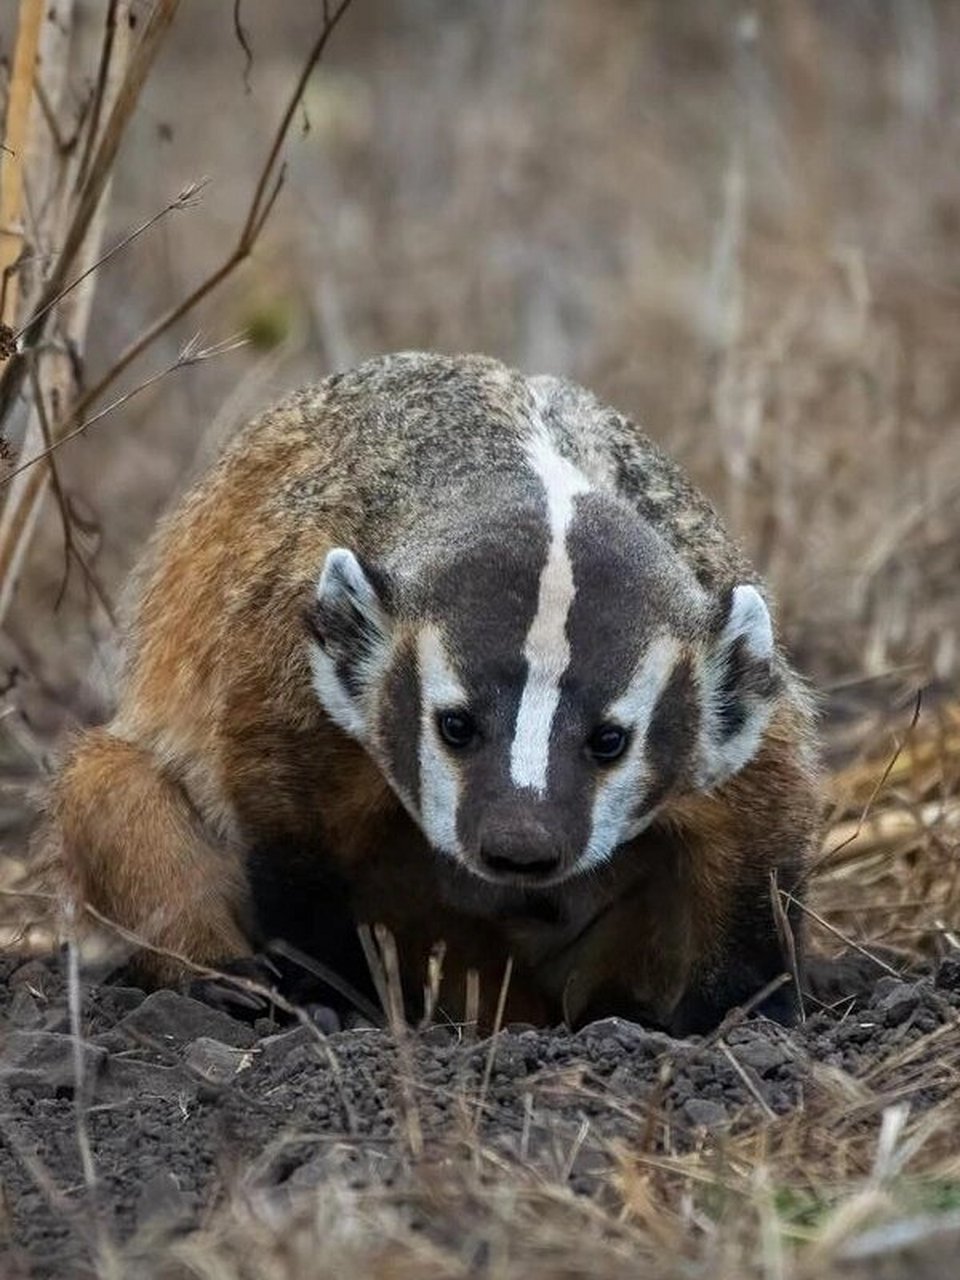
180,1103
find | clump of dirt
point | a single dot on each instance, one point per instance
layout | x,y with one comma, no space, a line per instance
176,1102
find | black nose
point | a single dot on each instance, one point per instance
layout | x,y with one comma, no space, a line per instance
527,851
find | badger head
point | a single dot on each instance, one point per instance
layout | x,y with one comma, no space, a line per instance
542,676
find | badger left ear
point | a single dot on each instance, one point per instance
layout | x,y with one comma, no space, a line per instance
739,685
350,624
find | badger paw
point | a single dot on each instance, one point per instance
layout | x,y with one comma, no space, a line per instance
324,1018
236,998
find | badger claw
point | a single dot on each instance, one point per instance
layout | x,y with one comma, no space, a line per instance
234,999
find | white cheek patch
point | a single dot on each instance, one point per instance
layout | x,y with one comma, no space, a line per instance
621,788
547,650
439,780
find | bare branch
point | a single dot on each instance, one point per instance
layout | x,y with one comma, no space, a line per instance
11,163
244,43
99,92
261,204
142,58
190,353
330,21
187,199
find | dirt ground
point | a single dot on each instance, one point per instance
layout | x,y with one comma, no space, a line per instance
182,1106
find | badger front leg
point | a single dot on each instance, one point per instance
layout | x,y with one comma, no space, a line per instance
705,927
745,951
130,844
745,849
679,956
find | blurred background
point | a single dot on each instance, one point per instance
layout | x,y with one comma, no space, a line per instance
738,223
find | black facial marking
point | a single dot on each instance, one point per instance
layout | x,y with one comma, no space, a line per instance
672,732
483,589
400,721
619,597
626,593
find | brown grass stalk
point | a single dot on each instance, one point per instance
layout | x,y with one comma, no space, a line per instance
30,20
122,104
50,367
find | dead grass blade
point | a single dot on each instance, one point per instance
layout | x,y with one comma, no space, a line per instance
30,20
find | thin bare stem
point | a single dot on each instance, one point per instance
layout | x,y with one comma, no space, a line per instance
830,854
746,1079
259,210
70,547
99,92
11,158
492,1051
189,355
185,200
330,21
327,975
141,61
837,933
787,940
244,44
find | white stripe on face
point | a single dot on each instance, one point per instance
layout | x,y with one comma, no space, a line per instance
439,781
546,650
619,791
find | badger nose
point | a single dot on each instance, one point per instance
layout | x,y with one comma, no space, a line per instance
528,849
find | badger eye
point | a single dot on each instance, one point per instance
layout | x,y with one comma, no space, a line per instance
608,743
457,728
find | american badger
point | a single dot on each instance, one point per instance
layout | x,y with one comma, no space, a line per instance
458,651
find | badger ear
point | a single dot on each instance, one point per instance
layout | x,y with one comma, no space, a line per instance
739,685
350,624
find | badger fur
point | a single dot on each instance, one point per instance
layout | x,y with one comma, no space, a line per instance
454,650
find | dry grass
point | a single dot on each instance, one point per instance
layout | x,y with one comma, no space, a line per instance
804,1196
739,226
889,870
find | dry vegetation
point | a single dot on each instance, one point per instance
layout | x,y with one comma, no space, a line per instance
739,224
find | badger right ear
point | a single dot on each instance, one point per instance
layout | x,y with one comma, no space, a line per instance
739,684
351,625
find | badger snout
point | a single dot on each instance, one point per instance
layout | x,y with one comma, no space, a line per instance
520,848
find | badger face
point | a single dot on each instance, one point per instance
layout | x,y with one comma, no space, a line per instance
542,676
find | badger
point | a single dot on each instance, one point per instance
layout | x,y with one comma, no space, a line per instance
459,652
